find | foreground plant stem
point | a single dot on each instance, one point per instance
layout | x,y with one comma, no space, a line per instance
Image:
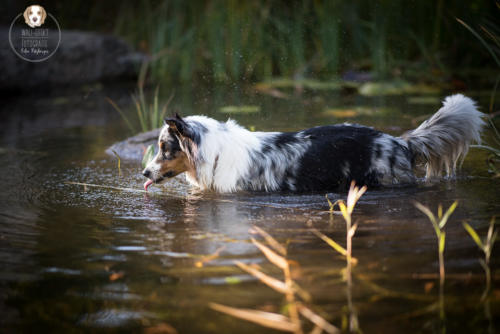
486,246
346,208
290,298
438,223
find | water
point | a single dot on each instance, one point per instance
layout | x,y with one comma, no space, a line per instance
84,259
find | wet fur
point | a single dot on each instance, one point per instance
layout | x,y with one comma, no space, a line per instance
225,157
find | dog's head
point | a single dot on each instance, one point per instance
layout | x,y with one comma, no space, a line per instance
34,16
176,146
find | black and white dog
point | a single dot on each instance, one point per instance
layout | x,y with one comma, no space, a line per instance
225,157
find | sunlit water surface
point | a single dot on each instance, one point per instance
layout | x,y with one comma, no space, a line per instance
79,258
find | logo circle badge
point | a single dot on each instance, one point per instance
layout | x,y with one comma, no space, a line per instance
34,35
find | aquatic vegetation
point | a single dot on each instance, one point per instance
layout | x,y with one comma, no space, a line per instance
276,254
493,159
312,84
344,112
486,246
149,154
350,322
149,114
222,40
239,109
355,111
396,87
346,210
494,53
439,223
119,162
336,246
369,88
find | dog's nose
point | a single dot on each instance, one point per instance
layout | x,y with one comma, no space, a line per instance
146,173
34,19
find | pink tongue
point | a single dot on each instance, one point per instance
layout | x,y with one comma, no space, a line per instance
147,184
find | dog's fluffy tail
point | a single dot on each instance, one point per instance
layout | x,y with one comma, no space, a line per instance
443,139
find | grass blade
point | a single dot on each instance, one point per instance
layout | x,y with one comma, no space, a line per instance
316,330
352,230
442,238
140,113
122,114
318,320
490,50
270,240
474,235
119,162
343,210
354,195
492,241
429,214
266,319
448,214
490,238
272,256
483,264
266,279
330,204
488,148
328,240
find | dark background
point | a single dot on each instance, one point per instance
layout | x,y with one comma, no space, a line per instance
250,41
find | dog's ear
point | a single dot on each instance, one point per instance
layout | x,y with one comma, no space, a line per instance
44,15
26,15
179,127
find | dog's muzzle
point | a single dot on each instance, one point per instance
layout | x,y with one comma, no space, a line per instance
155,178
147,173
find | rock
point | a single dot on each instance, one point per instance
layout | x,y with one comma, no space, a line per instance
82,57
133,147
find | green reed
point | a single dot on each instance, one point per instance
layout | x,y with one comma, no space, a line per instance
149,114
229,40
486,246
489,36
351,322
438,223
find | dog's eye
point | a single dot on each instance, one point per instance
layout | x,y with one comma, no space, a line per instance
31,12
38,12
